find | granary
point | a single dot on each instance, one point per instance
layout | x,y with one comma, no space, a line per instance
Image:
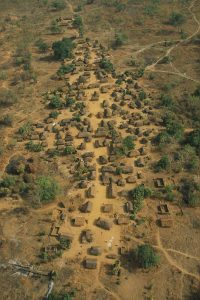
104,223
90,263
86,236
87,207
103,159
159,182
111,256
95,250
107,208
121,182
83,135
127,169
166,222
111,191
91,192
78,221
123,220
129,207
131,179
163,209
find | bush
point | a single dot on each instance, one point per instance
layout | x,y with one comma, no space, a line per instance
65,69
173,127
69,150
25,130
46,189
78,22
106,65
7,98
63,49
55,28
191,193
137,196
166,101
42,46
162,139
120,40
30,146
193,139
128,144
54,114
70,102
7,120
163,164
146,256
8,182
58,4
176,19
55,102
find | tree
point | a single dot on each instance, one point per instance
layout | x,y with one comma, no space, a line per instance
55,28
63,49
163,164
137,196
191,193
128,144
77,22
55,102
146,256
65,69
106,65
46,189
42,46
194,139
176,19
120,40
58,4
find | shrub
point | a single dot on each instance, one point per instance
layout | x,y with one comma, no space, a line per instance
30,146
54,114
55,102
78,22
173,127
193,139
8,181
7,120
7,98
65,69
166,101
106,65
70,102
63,49
163,164
58,4
191,193
55,28
162,139
120,40
46,189
69,150
26,129
16,165
128,143
42,46
146,256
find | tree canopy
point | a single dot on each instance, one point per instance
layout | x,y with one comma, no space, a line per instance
63,49
146,256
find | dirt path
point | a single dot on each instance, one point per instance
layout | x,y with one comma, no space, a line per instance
171,261
151,68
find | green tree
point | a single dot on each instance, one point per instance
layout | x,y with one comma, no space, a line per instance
120,40
55,102
176,19
146,256
163,164
58,4
106,65
55,28
194,139
138,195
46,189
63,49
42,46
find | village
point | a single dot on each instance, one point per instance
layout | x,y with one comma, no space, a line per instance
85,182
93,129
